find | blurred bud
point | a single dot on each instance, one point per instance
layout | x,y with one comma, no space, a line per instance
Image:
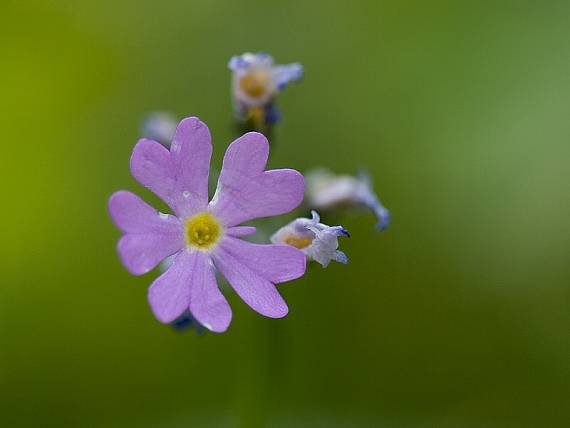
159,126
324,190
255,83
318,241
185,321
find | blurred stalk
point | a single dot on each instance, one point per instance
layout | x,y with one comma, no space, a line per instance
253,383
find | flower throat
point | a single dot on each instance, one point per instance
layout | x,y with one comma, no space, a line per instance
203,231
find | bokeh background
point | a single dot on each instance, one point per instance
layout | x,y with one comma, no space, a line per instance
458,316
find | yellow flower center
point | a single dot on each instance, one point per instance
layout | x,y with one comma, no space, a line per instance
298,242
203,231
255,83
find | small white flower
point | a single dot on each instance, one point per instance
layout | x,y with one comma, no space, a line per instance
318,241
160,126
326,191
256,80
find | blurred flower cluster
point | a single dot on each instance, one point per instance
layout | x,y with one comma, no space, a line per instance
200,248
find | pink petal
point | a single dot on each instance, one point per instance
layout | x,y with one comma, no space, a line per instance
191,150
241,231
245,191
275,262
255,289
207,304
178,177
169,294
149,237
190,283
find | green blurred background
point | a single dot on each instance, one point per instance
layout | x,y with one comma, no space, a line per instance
458,316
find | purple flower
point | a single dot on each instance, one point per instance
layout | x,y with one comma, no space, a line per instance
205,236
